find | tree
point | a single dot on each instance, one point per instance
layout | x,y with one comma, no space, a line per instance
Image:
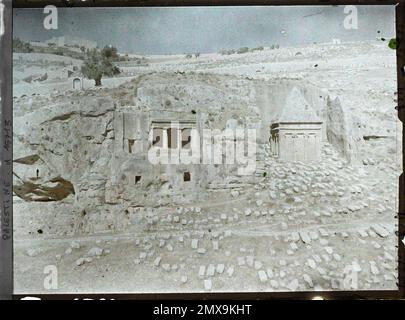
98,63
111,53
21,46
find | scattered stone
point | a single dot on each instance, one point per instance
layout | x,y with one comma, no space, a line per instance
363,233
308,280
75,245
311,263
323,232
304,237
207,284
373,268
258,265
356,266
234,193
293,285
313,235
220,268
157,261
194,243
166,267
323,242
95,252
241,261
294,246
80,261
215,245
380,231
211,270
230,271
201,271
227,233
201,250
269,273
183,279
388,256
262,275
33,252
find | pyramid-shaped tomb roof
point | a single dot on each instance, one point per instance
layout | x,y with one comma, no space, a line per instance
297,109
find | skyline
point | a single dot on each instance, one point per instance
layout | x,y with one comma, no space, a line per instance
205,29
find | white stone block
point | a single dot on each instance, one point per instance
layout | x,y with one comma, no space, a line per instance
166,267
156,262
194,243
201,271
220,268
215,245
293,285
262,276
230,271
211,270
308,280
258,265
207,284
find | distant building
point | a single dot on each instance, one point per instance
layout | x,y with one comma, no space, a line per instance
70,41
297,134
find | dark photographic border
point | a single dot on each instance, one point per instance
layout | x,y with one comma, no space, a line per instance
6,152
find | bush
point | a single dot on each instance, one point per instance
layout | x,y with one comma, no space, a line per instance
242,50
227,52
21,46
98,63
261,48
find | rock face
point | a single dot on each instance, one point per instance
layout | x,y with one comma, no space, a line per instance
90,149
81,168
56,189
340,132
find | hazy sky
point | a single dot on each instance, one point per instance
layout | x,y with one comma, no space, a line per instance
206,29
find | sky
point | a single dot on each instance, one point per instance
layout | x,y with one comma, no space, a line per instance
175,30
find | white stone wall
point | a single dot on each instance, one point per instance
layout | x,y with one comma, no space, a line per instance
300,142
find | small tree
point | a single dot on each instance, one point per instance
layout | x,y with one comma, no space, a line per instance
98,64
21,46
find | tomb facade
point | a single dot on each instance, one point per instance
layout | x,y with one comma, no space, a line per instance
297,134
